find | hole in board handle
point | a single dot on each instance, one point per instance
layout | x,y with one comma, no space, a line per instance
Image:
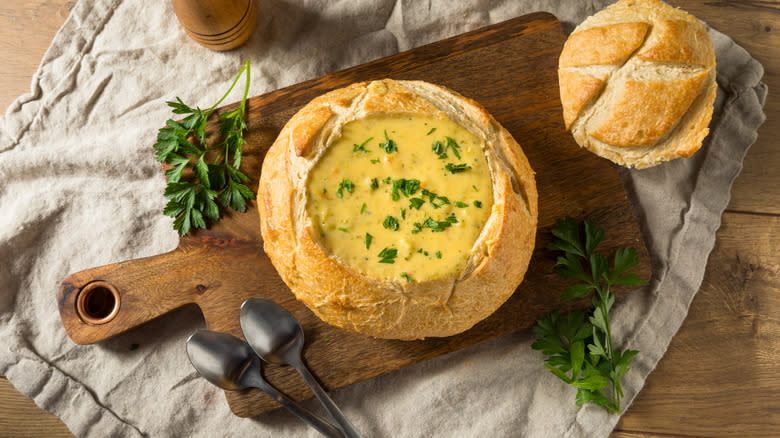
97,303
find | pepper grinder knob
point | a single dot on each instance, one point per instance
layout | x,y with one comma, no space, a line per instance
217,24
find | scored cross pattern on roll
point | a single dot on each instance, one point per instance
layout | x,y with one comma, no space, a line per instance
637,83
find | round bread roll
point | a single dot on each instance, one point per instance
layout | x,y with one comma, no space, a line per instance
398,209
637,83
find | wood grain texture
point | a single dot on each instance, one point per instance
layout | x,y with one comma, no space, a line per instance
231,267
21,418
753,24
719,376
27,28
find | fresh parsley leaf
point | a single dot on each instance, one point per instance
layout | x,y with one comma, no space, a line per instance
390,223
369,238
416,203
407,277
457,168
567,237
431,131
439,149
435,200
438,226
564,340
478,204
453,146
363,208
461,204
389,145
387,255
374,184
361,146
342,229
345,184
406,186
182,145
438,254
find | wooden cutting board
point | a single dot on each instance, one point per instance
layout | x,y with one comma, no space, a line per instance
510,68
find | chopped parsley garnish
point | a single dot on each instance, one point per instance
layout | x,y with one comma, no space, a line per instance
390,223
452,219
406,186
417,228
478,204
388,255
387,180
475,188
407,277
435,200
457,168
416,203
369,238
453,145
431,131
374,161
324,190
389,145
438,254
342,229
374,184
361,146
403,213
439,149
436,226
363,208
423,252
442,200
461,204
344,184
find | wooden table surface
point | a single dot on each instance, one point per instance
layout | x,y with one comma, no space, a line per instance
720,376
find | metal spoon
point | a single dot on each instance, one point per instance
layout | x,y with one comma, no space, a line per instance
229,362
277,337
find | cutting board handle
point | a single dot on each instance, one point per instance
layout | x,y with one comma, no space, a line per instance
99,303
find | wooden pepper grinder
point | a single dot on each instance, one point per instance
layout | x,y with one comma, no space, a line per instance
217,24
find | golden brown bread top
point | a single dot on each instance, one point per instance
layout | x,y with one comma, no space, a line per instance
615,42
634,79
394,308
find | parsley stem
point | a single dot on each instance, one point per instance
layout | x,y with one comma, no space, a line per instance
246,89
610,349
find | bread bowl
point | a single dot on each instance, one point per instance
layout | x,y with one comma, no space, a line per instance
355,156
637,83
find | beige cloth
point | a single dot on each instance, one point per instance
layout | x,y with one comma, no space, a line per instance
79,188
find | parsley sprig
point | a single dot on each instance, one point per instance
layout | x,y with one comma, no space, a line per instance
578,346
183,145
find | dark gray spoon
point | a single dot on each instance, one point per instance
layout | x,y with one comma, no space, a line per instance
230,363
277,337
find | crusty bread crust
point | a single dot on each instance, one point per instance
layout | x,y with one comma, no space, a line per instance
395,308
637,83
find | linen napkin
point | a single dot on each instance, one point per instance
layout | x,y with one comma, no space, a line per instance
79,188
